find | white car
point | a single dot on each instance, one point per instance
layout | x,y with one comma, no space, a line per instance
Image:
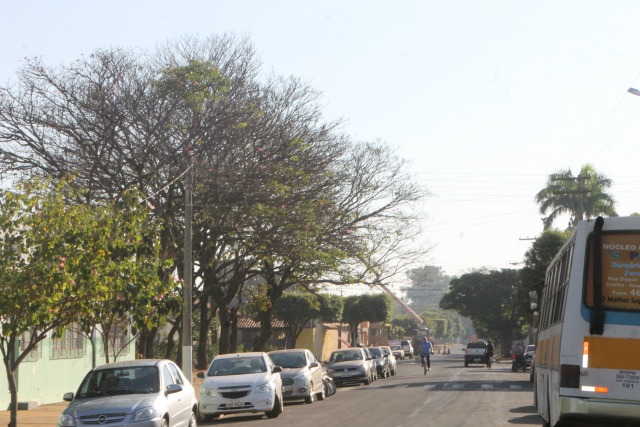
241,382
301,374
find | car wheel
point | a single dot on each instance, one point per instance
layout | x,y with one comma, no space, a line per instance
193,421
367,381
205,418
277,409
322,393
312,396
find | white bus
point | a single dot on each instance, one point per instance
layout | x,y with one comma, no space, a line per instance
587,361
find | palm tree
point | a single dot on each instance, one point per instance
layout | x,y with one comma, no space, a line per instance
581,196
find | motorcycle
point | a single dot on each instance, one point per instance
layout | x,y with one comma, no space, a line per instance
329,386
518,364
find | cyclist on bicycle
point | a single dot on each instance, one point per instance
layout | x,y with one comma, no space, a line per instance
426,350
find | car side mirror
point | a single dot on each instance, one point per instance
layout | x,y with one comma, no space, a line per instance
200,374
369,358
68,397
276,369
314,365
173,388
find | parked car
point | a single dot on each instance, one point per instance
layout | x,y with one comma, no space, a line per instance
529,352
372,364
301,374
241,382
143,392
398,351
392,359
381,361
407,347
476,352
350,365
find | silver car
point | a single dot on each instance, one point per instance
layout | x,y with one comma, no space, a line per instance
141,393
301,374
350,365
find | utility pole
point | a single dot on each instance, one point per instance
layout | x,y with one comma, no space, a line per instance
187,338
581,192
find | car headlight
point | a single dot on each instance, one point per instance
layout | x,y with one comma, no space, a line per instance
207,392
264,388
65,420
144,414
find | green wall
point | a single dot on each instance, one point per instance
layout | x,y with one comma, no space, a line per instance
45,380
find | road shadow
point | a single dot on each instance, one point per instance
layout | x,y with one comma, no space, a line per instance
531,418
461,386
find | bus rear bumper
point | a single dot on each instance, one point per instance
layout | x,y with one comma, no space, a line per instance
598,409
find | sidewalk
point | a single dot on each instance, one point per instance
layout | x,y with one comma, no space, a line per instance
47,415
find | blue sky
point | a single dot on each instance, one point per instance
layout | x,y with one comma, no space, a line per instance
485,98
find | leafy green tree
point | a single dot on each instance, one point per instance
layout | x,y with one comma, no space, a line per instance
403,326
366,308
428,285
489,299
582,197
296,310
531,276
53,257
331,307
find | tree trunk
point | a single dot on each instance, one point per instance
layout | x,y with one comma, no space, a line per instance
170,340
265,330
224,346
203,333
10,370
233,331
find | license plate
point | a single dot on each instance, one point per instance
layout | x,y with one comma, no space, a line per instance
235,404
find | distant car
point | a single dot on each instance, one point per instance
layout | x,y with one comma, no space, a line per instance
476,352
301,374
407,347
382,363
529,353
241,382
143,392
350,365
398,351
392,359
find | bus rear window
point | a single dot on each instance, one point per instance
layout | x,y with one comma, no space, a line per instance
620,272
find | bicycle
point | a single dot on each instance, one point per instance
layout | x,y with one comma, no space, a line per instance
424,363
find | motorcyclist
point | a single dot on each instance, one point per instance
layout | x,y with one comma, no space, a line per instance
518,357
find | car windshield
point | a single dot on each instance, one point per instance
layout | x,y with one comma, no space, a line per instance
531,348
289,360
345,356
124,380
375,352
396,347
479,344
237,366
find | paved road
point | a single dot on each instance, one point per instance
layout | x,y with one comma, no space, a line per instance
450,395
